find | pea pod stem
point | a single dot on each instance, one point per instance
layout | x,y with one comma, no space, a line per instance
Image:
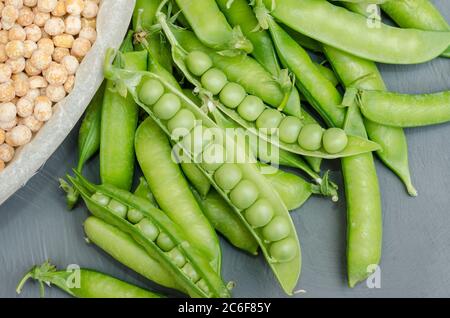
83,283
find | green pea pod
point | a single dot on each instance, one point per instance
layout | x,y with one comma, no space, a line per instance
84,283
212,28
352,33
119,121
172,192
417,14
283,256
364,216
356,72
196,178
328,73
124,249
305,41
224,220
143,21
243,70
165,240
363,8
403,110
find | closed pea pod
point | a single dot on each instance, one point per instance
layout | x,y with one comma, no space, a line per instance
402,110
384,44
287,272
156,248
417,14
354,71
211,26
153,152
93,284
119,121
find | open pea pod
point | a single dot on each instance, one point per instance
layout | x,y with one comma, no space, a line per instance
157,234
356,145
253,199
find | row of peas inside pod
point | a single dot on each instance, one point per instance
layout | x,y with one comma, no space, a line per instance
242,193
151,231
251,108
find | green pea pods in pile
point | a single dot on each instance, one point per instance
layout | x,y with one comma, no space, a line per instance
156,233
275,232
84,283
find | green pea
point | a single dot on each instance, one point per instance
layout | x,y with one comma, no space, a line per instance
290,129
213,157
198,62
196,140
259,214
244,194
149,229
277,229
134,216
118,208
310,137
203,286
334,140
214,80
176,256
269,120
228,176
151,91
167,106
284,250
251,108
232,95
100,199
165,242
181,124
191,272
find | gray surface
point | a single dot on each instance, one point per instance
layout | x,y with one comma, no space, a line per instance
35,225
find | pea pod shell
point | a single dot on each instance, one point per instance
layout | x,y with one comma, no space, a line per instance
350,32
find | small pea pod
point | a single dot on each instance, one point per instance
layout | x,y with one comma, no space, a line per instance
156,233
119,121
83,283
224,220
196,178
351,33
171,190
124,249
403,110
274,230
417,14
212,28
143,191
356,72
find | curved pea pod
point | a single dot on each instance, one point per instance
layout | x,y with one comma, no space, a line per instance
171,190
212,28
84,283
100,199
226,222
360,73
243,70
283,256
417,14
124,249
356,145
403,110
143,191
196,178
351,33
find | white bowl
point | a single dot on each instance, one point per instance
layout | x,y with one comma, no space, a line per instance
112,23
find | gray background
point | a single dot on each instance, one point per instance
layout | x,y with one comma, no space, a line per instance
35,225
